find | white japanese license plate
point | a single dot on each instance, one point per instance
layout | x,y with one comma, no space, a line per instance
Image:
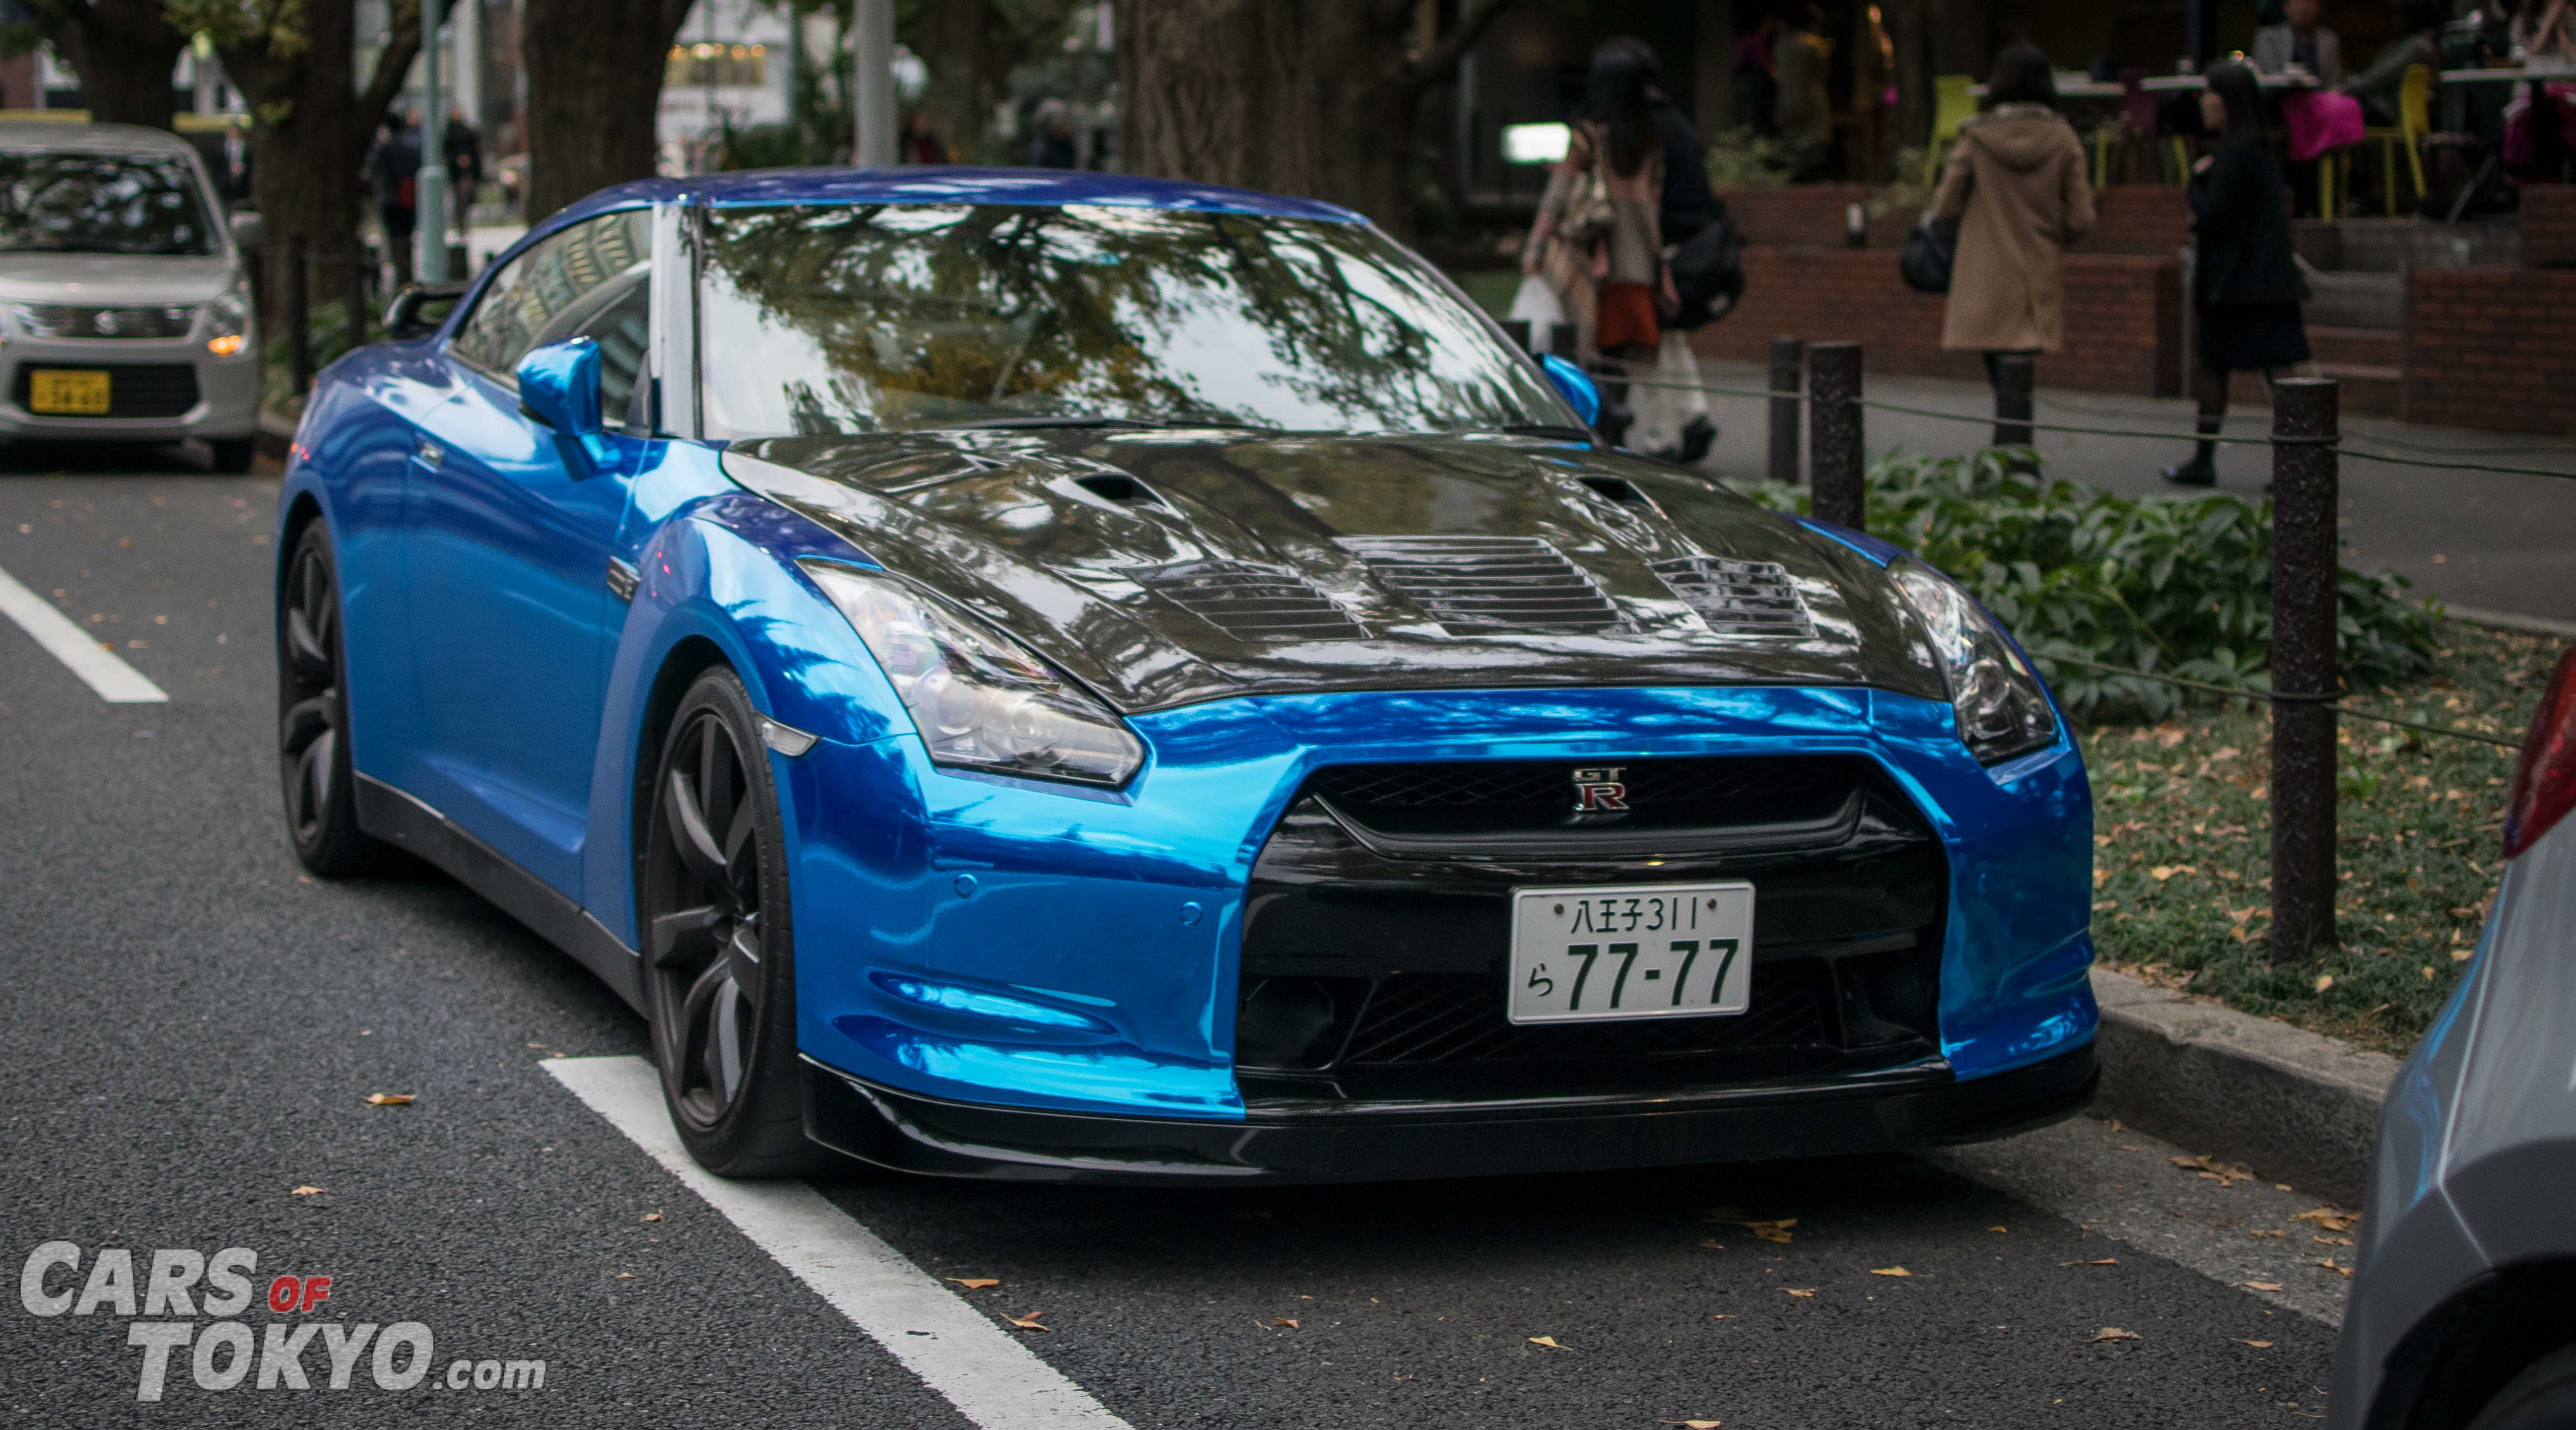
1631,951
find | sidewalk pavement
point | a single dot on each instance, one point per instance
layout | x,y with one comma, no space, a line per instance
2485,543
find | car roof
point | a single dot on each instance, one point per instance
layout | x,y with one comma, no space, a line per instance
946,184
52,136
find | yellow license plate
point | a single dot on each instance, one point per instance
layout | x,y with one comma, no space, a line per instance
75,393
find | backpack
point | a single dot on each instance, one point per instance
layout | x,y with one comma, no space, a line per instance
1707,266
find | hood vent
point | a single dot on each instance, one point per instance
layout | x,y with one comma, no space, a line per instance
1251,602
1484,585
1739,598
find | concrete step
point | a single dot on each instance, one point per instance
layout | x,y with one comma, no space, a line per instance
2358,347
2356,300
2369,389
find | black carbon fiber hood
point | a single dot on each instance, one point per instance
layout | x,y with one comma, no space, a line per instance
1167,568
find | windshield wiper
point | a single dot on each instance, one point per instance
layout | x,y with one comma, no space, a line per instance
992,424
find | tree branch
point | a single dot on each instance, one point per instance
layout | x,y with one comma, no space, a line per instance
1437,61
393,65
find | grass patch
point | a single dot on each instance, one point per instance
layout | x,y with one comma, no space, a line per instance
2419,845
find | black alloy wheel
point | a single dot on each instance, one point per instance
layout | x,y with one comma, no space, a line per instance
711,900
313,716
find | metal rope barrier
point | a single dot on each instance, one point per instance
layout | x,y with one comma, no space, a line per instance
2267,697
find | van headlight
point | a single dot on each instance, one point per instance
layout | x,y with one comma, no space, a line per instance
229,324
980,699
2002,709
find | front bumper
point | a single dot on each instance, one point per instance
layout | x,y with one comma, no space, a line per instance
1902,1108
225,395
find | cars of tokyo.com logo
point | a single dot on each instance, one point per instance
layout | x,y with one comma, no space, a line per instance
162,1301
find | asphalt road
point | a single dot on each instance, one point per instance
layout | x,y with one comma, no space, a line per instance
193,1028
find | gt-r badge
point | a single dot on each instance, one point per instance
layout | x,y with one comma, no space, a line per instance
1597,790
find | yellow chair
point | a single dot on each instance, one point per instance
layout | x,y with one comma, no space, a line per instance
2414,121
1952,106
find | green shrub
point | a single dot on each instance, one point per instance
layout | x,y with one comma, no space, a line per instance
2171,585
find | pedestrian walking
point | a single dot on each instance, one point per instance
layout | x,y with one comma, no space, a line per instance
1757,86
1803,60
1672,418
2017,192
2246,288
920,142
1600,227
464,146
395,168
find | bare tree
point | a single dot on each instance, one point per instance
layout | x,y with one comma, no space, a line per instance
123,51
293,62
1309,97
594,72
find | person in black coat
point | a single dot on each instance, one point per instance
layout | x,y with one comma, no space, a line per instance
2246,286
1685,206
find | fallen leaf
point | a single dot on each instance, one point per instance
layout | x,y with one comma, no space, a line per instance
1711,1246
1801,1295
2282,1234
2332,1240
1999,1228
305,1192
650,1216
2111,1333
975,1283
2226,1174
2262,1285
1028,1322
1283,1321
2099,1261
389,1099
2329,1218
1691,1424
1890,1271
2258,1345
1721,1316
2324,982
1547,1341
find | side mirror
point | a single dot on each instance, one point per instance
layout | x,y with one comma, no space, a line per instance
1575,386
416,311
245,229
559,388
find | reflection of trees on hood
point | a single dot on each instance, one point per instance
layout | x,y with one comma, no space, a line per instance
1110,310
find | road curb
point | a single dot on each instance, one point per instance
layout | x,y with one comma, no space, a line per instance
2296,1106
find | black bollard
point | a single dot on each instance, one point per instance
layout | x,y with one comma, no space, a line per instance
1560,340
1518,330
2304,678
2015,375
1788,357
1834,433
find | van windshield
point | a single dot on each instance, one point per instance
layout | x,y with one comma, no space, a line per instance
103,203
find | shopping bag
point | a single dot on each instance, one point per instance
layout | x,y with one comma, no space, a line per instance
1672,400
2320,120
1537,305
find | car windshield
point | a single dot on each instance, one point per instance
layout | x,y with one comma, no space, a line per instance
102,203
903,317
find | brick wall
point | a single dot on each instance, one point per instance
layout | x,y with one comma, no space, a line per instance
2150,219
2492,348
2549,225
2123,318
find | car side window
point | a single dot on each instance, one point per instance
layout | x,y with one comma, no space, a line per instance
566,285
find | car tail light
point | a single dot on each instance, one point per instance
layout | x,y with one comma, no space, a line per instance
2544,783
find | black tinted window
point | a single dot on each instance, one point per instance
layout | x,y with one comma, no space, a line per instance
858,319
552,291
103,203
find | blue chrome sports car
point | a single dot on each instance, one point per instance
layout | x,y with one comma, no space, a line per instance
1054,676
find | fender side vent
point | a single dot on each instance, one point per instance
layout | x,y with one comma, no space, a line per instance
1739,598
1251,602
1112,486
1486,585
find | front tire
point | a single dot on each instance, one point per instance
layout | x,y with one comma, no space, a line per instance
233,454
2543,1397
719,969
313,716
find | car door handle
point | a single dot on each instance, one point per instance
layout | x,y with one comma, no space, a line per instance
429,453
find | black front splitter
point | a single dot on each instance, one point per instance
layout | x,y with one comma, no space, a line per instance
1916,1107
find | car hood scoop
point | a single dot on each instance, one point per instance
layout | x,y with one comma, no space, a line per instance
1163,568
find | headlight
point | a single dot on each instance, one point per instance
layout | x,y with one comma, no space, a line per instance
228,323
979,699
2003,712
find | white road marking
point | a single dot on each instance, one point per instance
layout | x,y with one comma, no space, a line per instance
114,680
991,1378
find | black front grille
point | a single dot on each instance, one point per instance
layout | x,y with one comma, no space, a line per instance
1476,585
81,320
1429,1019
1251,602
1496,796
134,389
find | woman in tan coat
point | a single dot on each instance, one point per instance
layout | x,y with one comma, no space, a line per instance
2017,191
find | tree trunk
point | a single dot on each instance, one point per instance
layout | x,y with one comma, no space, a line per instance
310,136
1306,97
594,92
123,52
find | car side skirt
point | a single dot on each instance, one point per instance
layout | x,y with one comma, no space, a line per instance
403,821
1920,1106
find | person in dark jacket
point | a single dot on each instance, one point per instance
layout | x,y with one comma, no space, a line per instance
464,146
2246,287
395,167
1685,206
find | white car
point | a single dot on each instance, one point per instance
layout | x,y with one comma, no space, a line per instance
125,309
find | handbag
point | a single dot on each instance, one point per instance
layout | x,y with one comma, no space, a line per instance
1589,212
1925,259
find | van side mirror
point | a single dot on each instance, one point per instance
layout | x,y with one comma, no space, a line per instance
245,230
559,389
